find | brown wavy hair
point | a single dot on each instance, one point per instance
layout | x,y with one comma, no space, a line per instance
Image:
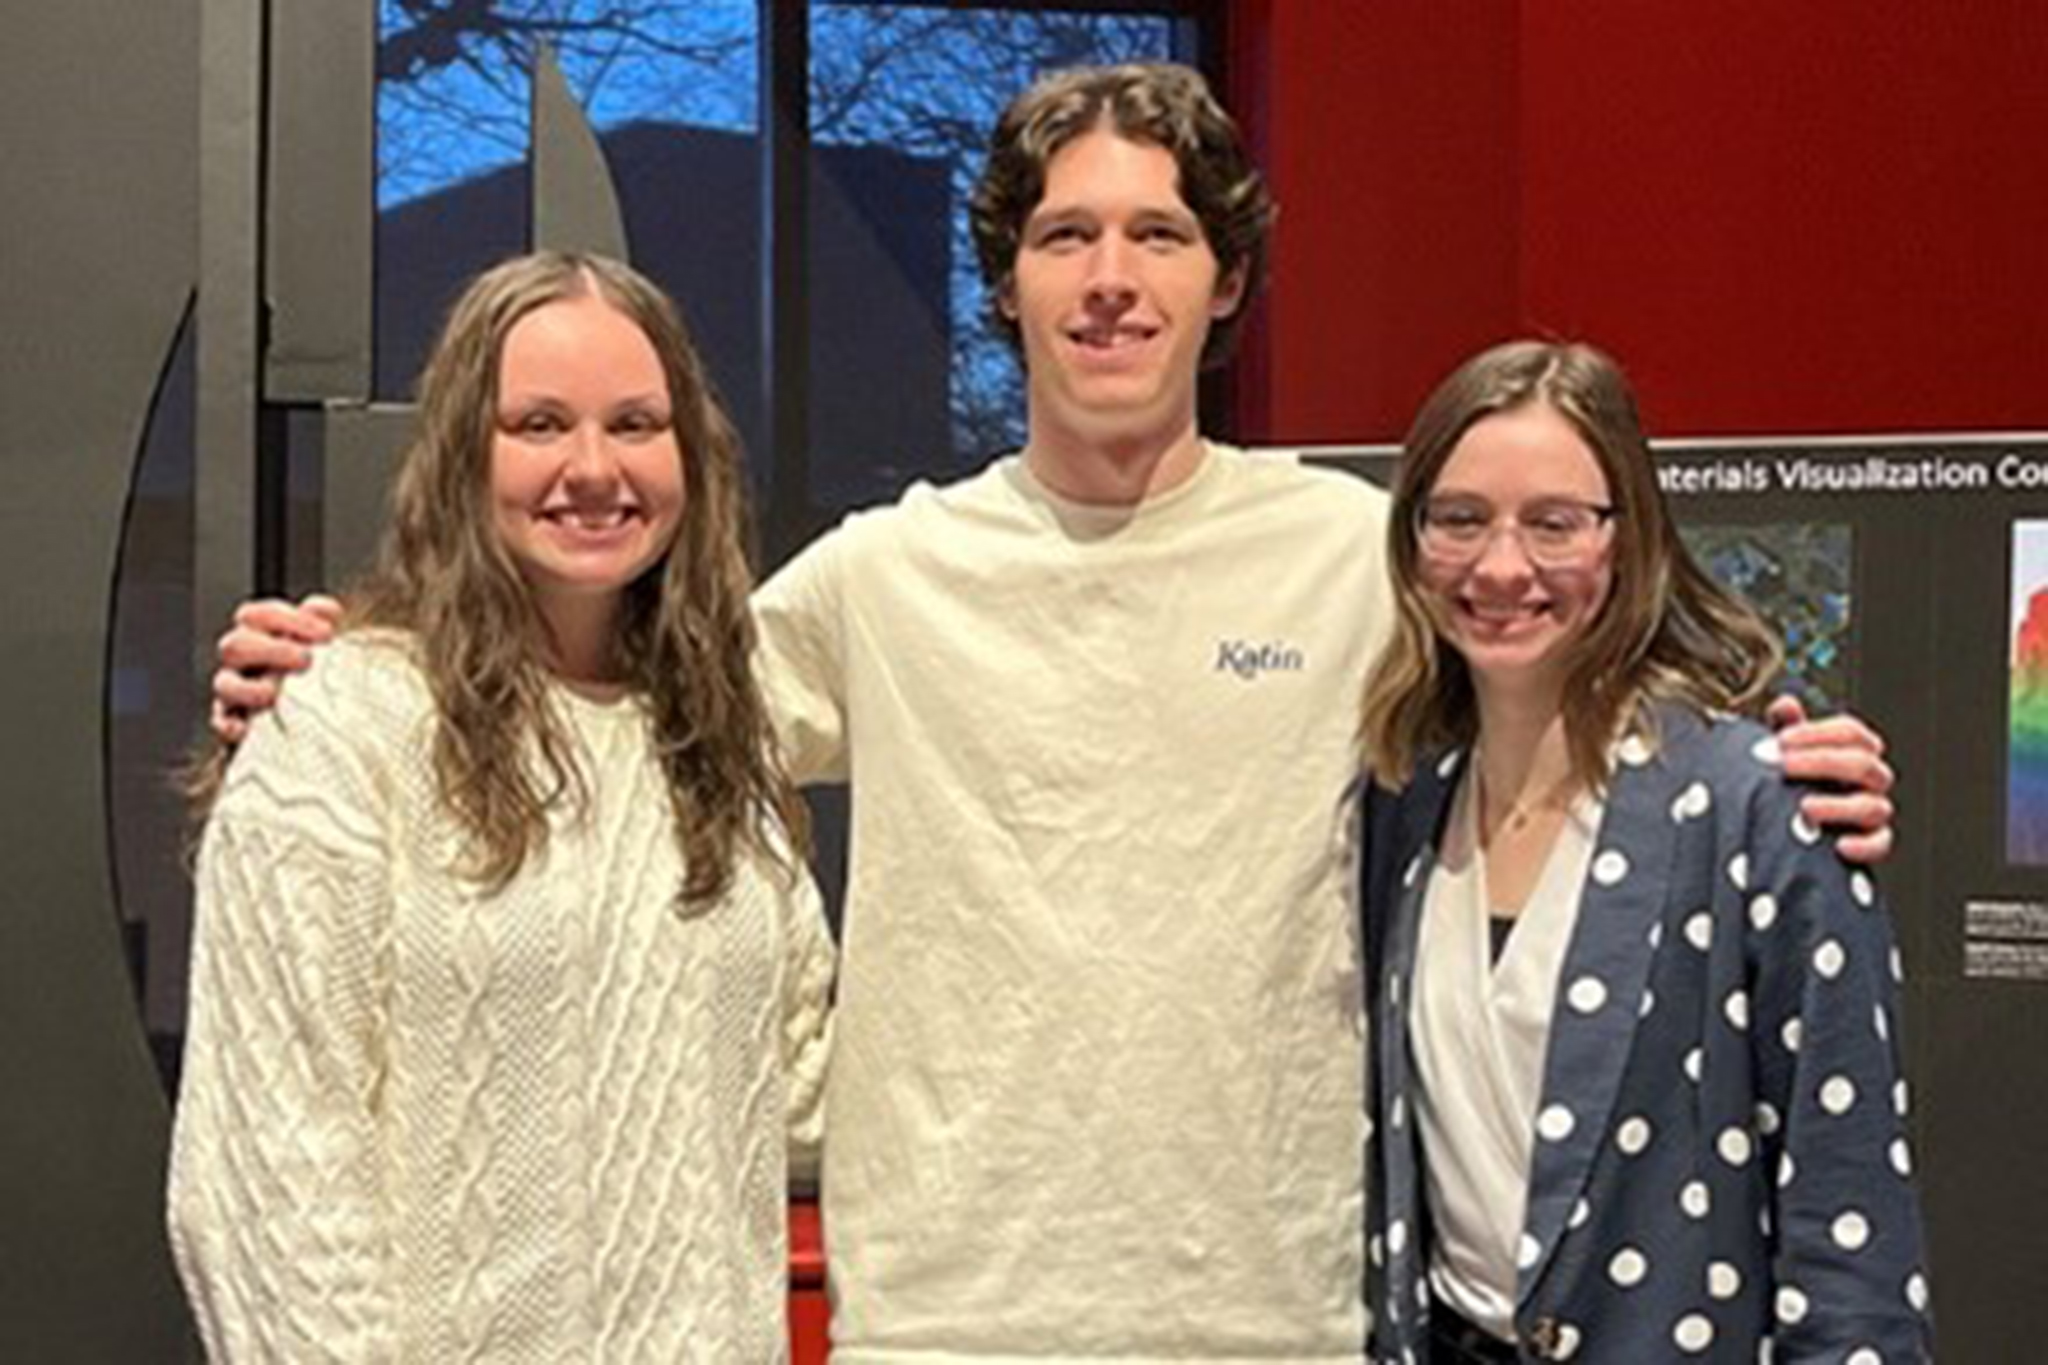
502,757
1161,103
1668,632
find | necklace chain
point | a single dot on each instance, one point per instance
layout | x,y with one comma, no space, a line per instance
1520,815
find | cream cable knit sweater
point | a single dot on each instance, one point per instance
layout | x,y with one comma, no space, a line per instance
422,1123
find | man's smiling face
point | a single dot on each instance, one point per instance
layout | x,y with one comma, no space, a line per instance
1114,290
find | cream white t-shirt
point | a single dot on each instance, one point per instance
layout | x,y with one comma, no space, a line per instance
1097,1090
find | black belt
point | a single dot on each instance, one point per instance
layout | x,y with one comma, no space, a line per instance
1455,1340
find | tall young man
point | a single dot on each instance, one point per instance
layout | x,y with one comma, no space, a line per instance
1098,1087
1097,1090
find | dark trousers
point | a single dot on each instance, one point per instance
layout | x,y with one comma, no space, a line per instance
1455,1341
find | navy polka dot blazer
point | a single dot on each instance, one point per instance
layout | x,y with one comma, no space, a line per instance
1721,1170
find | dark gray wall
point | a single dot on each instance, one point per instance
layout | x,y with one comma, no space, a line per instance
98,215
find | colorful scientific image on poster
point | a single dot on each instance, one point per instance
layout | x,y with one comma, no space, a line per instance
1798,575
2026,780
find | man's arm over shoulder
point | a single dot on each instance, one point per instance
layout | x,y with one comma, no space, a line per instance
269,640
800,658
1846,755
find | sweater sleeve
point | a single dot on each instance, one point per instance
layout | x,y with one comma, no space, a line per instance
801,661
807,1022
1848,1260
275,1208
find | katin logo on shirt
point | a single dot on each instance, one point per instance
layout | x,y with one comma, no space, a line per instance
1248,660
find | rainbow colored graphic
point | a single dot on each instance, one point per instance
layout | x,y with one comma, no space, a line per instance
2026,795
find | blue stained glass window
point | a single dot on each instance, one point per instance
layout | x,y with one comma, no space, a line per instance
669,88
929,81
902,98
454,80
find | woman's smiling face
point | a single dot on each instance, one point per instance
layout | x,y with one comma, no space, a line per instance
1520,559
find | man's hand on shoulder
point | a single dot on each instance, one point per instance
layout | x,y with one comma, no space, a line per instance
270,639
1844,754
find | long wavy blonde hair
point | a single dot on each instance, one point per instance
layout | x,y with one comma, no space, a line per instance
502,757
1668,632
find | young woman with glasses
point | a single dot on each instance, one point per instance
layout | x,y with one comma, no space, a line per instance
1637,1053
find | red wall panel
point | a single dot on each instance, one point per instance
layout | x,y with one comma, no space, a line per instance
1795,217
810,1309
1389,131
1824,217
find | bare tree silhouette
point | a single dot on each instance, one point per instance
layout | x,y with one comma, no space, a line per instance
926,80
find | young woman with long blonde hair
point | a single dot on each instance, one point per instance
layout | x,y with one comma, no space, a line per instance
509,984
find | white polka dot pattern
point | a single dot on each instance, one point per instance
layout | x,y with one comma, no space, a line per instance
1692,803
1699,930
1694,1333
1633,1136
1772,1181
1736,1008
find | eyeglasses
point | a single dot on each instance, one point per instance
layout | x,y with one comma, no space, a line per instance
1555,534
